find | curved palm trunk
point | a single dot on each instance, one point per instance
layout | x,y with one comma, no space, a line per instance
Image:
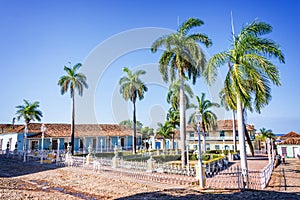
134,130
233,131
182,122
73,124
241,131
249,141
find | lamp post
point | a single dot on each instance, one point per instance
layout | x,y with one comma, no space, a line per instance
43,129
198,117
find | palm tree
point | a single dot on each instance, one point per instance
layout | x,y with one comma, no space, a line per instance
28,111
165,130
173,117
184,57
228,101
73,81
173,96
129,123
266,133
132,88
250,73
209,119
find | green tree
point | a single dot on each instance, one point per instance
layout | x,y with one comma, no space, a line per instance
73,81
147,132
132,88
209,118
264,135
184,57
29,112
173,96
250,75
173,117
129,123
165,130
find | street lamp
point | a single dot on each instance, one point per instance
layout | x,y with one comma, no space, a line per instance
25,138
198,118
43,129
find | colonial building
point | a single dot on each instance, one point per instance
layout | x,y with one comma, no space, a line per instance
102,137
289,145
220,138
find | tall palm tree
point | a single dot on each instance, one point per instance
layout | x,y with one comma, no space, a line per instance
209,119
184,57
29,112
73,81
165,130
251,73
132,88
173,96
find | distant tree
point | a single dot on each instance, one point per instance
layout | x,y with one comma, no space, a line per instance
165,130
147,132
73,81
133,88
173,96
129,123
29,112
209,118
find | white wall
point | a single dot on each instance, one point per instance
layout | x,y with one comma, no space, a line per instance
5,138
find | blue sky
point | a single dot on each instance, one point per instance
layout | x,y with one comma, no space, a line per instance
39,37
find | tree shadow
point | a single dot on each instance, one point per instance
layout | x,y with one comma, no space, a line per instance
212,194
13,168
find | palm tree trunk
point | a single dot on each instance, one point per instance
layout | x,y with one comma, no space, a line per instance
249,141
241,132
134,130
73,123
233,131
182,122
204,139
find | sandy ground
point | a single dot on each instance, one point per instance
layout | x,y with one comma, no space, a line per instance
31,180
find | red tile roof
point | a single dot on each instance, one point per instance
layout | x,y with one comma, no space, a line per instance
81,130
290,135
292,140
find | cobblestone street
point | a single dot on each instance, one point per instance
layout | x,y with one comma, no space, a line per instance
34,181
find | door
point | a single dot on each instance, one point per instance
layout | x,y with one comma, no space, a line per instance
283,151
295,152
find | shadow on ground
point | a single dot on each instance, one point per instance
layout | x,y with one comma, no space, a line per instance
10,168
213,194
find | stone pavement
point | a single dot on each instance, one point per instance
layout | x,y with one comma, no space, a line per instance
286,177
20,180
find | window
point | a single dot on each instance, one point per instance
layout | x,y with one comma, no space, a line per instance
81,144
207,146
192,134
54,144
217,147
222,134
94,143
34,144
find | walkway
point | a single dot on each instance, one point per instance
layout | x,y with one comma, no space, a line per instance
286,177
